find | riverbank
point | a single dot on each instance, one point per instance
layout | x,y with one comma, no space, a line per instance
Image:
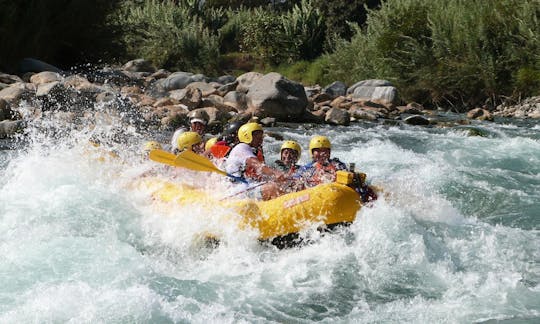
160,100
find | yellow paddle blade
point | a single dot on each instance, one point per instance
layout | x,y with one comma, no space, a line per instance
162,156
193,161
189,160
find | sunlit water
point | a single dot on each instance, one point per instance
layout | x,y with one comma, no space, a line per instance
455,240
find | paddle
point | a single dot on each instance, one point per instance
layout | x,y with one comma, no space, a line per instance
189,160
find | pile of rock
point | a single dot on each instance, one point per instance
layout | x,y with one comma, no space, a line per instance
160,100
527,108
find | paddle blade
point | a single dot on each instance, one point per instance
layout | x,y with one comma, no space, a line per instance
193,161
162,156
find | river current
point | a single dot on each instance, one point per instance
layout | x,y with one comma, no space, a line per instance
455,239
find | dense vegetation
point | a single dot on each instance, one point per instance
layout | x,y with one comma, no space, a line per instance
447,52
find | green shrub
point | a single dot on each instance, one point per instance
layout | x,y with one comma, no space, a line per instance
305,72
169,35
339,13
231,32
264,36
447,52
527,81
304,27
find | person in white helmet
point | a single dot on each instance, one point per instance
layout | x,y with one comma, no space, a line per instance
198,120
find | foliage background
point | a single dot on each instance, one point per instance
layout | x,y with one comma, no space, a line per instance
448,53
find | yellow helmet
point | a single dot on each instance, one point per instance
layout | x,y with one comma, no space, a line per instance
188,139
319,142
291,145
245,132
210,143
151,145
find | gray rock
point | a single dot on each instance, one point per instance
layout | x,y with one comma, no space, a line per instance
369,83
33,65
15,92
45,77
246,80
190,97
10,127
139,65
236,99
228,87
480,114
177,80
5,110
225,79
199,78
9,79
206,88
417,120
51,88
359,113
310,117
336,116
312,90
386,94
275,96
335,89
268,121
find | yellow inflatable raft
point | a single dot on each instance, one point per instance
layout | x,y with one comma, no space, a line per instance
326,205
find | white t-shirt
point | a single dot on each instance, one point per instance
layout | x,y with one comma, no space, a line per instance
236,162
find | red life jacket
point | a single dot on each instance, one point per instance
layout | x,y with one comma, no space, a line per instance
220,150
323,173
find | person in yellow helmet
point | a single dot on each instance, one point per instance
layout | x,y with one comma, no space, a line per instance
198,120
211,142
191,141
247,161
151,145
322,168
289,155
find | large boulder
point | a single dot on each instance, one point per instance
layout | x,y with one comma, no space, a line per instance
177,80
246,80
379,90
275,96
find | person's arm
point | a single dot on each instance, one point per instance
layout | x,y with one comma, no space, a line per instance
263,169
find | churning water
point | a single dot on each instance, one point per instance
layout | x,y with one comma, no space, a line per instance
455,240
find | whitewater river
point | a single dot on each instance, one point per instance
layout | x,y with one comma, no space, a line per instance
455,240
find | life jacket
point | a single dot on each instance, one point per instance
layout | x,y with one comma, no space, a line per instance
285,168
220,150
252,173
316,173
